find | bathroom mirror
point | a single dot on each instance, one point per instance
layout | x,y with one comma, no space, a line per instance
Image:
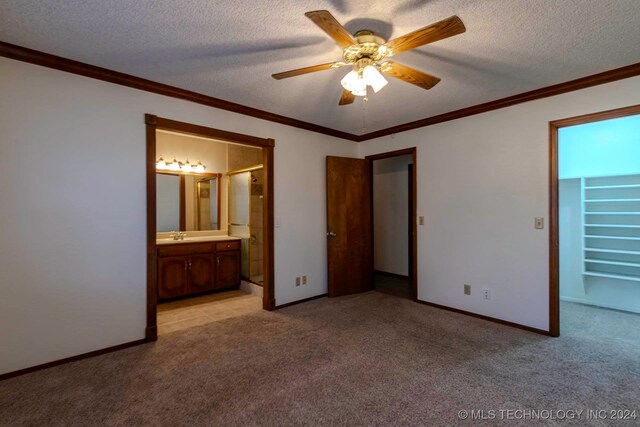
187,201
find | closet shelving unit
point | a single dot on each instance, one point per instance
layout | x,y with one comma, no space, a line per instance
611,226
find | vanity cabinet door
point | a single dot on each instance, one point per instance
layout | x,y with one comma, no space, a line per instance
201,269
172,276
227,269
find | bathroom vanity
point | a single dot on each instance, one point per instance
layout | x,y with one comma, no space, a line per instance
197,265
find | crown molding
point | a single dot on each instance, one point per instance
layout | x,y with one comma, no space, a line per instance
632,70
24,54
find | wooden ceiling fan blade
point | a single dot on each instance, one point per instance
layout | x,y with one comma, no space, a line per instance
410,75
307,70
346,98
331,26
431,33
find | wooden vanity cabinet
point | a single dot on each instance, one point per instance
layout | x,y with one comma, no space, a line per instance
227,269
201,273
172,276
193,268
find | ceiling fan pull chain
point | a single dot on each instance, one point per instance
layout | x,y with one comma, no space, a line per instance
364,114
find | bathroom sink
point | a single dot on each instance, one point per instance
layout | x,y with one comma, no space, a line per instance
188,239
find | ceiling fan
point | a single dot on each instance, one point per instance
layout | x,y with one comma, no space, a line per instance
368,54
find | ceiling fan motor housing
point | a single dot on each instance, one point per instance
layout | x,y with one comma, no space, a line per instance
369,46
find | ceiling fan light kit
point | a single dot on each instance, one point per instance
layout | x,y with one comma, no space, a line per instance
367,53
364,74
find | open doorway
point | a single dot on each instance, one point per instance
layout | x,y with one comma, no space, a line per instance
209,225
595,225
393,179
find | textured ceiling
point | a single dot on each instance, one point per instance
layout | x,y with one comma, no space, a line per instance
229,49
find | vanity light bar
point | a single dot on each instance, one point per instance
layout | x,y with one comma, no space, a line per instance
176,166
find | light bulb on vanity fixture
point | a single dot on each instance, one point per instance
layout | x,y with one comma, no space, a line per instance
199,168
174,165
161,164
186,167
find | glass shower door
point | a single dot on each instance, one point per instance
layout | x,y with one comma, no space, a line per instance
239,216
245,219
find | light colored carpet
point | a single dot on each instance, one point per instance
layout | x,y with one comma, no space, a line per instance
369,359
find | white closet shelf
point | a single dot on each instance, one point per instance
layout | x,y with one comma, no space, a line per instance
612,251
612,213
604,261
611,276
611,200
602,187
590,236
619,197
613,225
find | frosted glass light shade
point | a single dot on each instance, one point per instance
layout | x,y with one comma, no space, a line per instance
354,83
373,78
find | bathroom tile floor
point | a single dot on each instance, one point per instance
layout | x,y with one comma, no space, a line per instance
182,314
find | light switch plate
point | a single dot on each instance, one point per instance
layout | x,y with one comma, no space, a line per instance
539,223
420,220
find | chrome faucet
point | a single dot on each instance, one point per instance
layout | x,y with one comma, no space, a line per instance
178,235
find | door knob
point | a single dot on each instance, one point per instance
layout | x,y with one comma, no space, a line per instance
331,234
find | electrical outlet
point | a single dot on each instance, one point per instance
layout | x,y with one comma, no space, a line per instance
486,294
467,289
297,281
304,280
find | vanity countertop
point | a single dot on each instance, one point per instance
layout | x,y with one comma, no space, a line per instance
195,239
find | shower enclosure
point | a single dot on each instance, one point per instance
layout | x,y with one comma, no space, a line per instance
245,219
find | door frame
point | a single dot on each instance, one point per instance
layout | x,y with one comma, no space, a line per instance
154,123
554,214
413,212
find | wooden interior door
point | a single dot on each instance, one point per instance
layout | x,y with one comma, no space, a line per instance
349,226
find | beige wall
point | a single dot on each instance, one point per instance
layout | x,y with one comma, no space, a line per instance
481,182
242,157
73,209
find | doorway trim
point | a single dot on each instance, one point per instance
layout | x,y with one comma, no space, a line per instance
554,215
413,210
154,123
